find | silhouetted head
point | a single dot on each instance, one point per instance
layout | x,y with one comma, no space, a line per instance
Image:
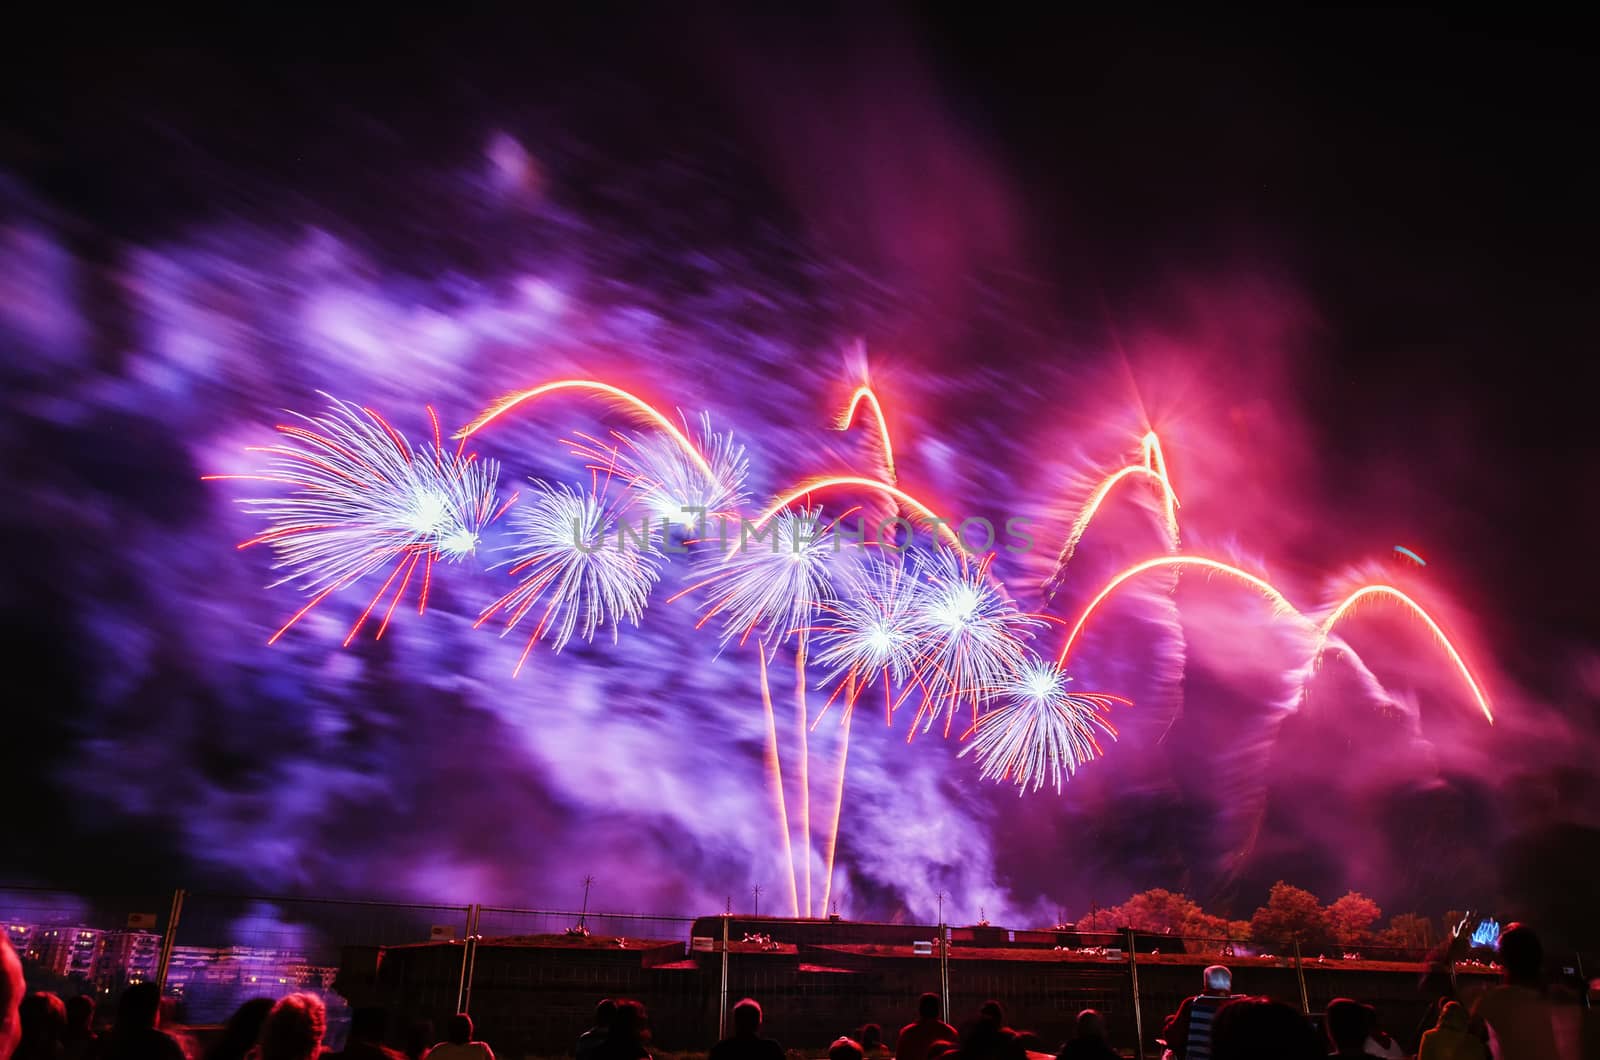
367,1024
1349,1023
992,1012
1091,1024
11,989
629,1022
139,1007
458,1031
871,1036
845,1049
80,1013
928,1006
747,1017
242,1030
1259,1028
419,1038
1521,954
1217,980
605,1012
1453,1017
294,1029
43,1017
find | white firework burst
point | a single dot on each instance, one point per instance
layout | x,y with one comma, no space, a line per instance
576,567
773,584
970,636
872,631
362,499
663,478
1043,732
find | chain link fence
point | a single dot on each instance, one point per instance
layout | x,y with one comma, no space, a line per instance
531,978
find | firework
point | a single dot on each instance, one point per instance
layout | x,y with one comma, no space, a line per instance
970,634
871,633
362,500
830,482
670,485
1349,602
774,581
864,394
1280,603
571,554
1042,729
606,391
1153,466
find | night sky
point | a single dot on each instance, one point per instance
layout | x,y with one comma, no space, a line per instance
1343,264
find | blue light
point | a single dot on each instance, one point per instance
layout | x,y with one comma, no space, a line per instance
1487,933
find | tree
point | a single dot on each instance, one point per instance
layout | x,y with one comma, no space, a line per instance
1157,911
1407,931
1291,915
1351,918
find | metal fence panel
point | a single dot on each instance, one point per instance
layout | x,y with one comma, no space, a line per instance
74,944
228,949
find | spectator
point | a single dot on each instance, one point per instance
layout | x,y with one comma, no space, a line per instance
1191,1030
137,1034
595,1036
1516,1014
630,1030
916,1039
294,1029
987,1038
1349,1024
1259,1028
44,1021
367,1027
458,1042
992,1012
1088,1039
845,1049
1451,1040
746,1042
871,1040
239,1034
79,1037
12,987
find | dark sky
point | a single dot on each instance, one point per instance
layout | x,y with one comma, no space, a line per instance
1424,182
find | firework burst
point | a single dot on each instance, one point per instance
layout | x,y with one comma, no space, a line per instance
971,636
572,555
361,500
772,584
662,477
1042,730
872,631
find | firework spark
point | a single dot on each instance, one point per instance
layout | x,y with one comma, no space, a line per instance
572,554
970,633
363,500
1043,729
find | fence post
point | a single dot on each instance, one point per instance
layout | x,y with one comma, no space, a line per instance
168,939
466,944
469,958
722,1006
1138,1011
1300,974
944,967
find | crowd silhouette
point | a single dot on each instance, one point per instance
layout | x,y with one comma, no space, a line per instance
1522,1018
